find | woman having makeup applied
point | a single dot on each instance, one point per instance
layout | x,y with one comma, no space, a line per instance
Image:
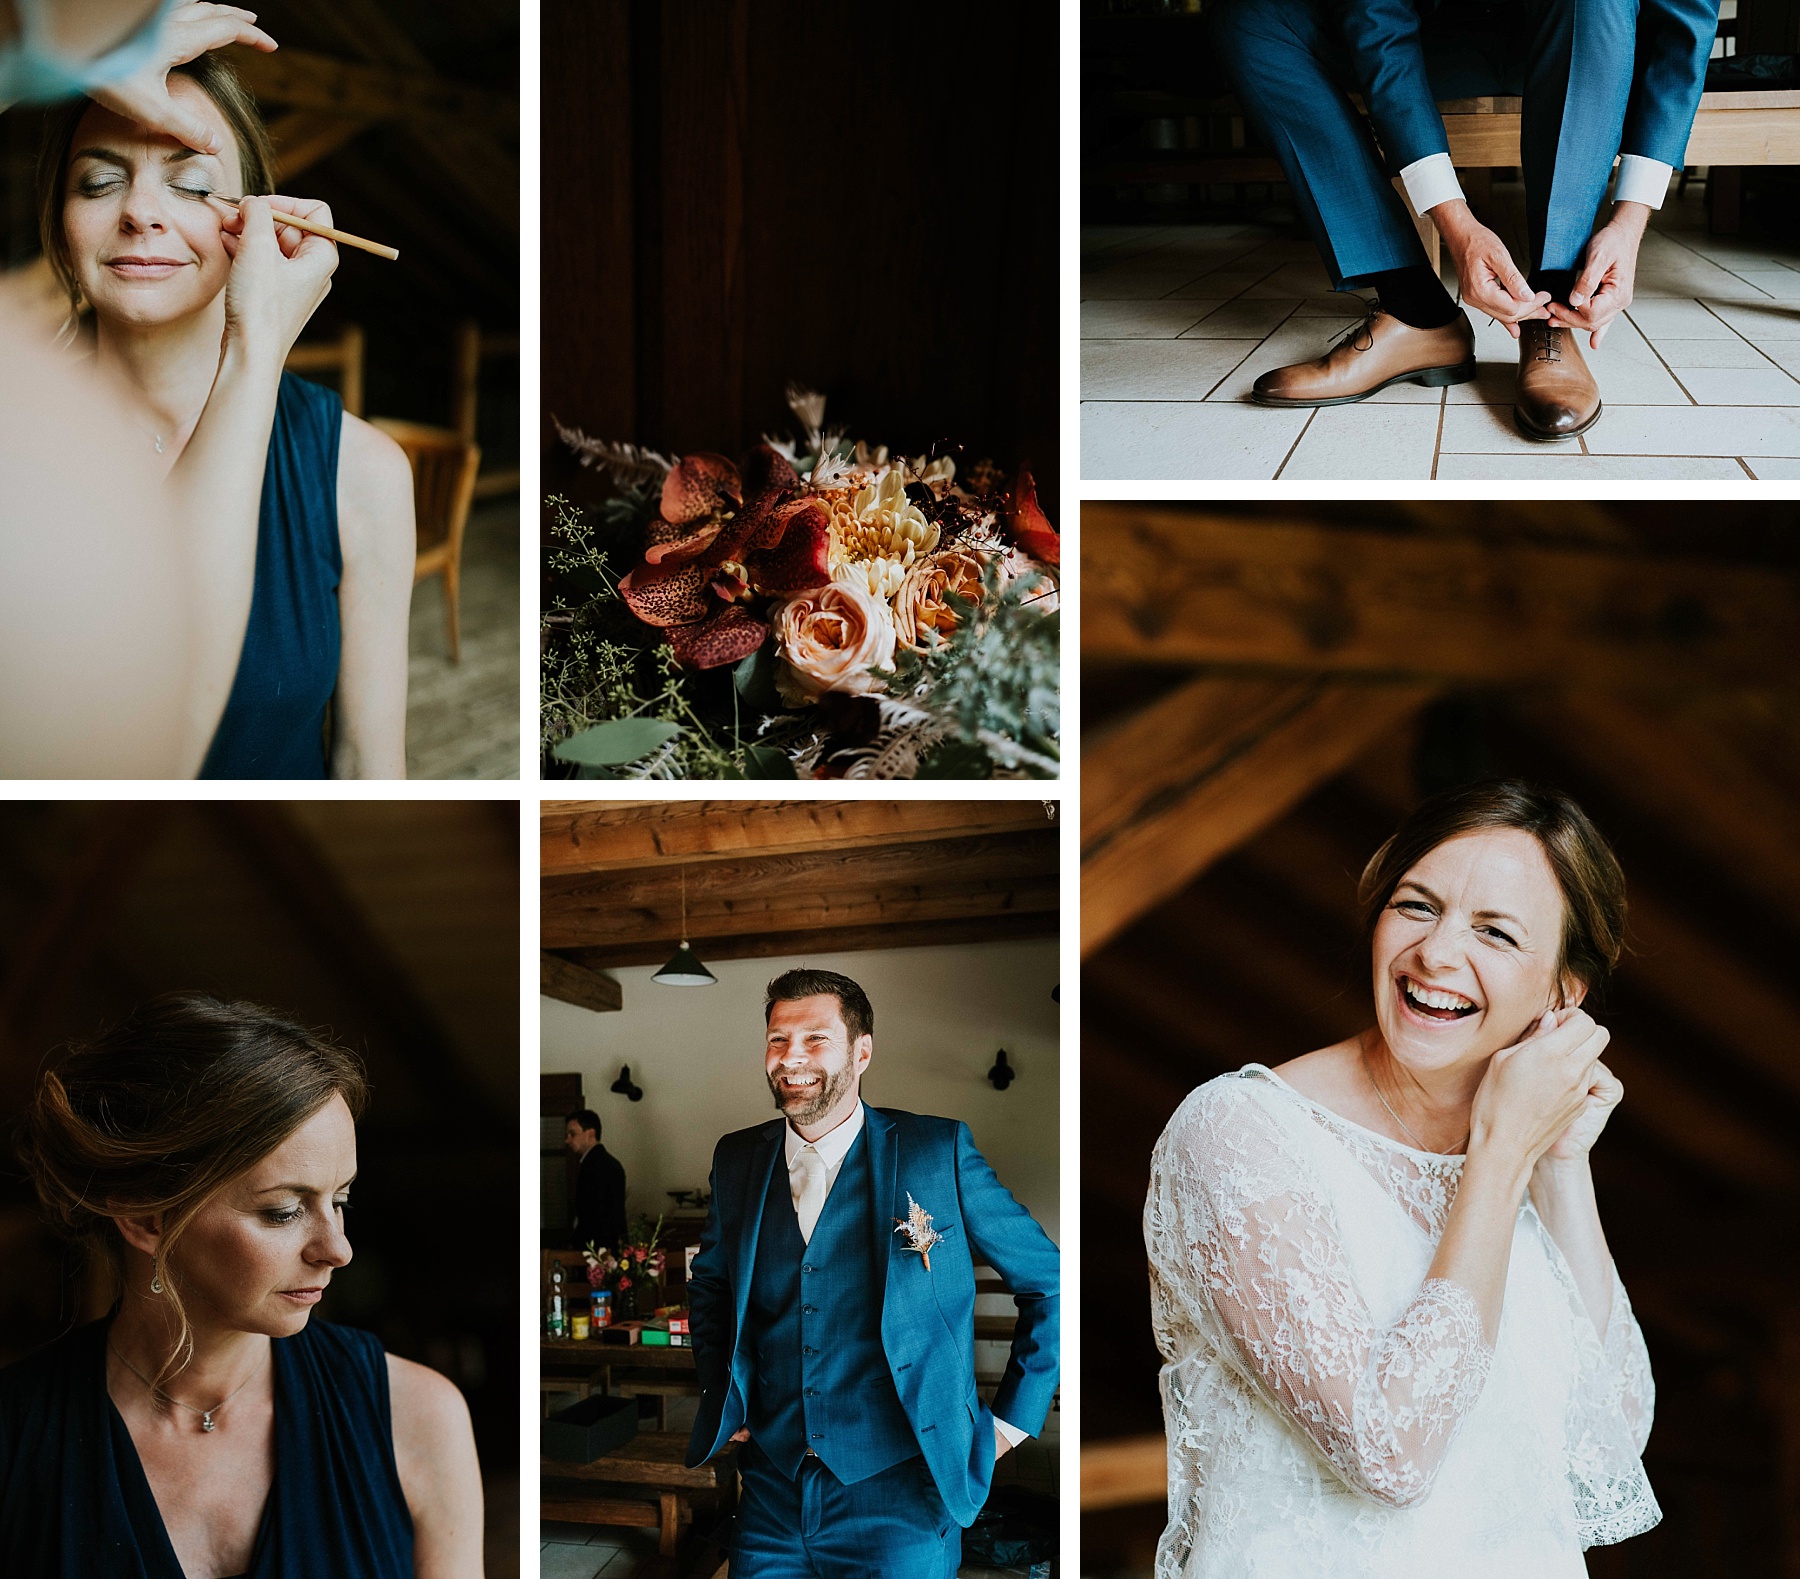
208,1427
191,307
1395,1342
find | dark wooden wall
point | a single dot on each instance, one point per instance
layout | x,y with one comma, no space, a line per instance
859,196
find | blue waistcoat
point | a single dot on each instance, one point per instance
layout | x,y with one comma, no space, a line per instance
813,1325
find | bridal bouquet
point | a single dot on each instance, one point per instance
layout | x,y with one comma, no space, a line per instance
815,609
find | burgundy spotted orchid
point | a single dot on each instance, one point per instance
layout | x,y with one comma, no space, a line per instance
724,535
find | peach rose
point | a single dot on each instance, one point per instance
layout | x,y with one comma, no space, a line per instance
919,605
832,638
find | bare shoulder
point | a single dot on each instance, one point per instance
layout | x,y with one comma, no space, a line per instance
1326,1076
375,494
426,1404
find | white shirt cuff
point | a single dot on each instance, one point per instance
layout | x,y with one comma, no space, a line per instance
1430,181
1642,180
1014,1436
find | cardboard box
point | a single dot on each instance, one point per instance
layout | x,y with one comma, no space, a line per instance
591,1428
622,1332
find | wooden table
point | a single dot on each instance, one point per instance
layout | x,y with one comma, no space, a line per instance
620,1370
645,1483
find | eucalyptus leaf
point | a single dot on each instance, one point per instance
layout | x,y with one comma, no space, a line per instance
765,762
754,678
616,742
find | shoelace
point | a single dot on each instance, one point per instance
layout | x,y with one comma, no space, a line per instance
1551,335
1361,336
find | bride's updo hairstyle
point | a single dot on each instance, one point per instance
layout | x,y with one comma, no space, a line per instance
163,1111
1587,872
219,81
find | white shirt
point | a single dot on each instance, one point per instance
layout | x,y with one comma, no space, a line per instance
833,1147
1432,180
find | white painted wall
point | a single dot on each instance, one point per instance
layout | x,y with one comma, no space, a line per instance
940,1016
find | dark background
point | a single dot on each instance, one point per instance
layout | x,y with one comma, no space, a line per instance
861,197
391,925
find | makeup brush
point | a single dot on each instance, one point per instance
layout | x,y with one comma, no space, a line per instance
342,237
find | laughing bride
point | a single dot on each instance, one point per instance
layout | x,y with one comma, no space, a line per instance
1395,1341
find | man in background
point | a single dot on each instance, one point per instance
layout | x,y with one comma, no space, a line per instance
599,1184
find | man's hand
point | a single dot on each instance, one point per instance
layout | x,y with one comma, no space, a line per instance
1001,1446
187,34
1609,270
1490,280
741,1435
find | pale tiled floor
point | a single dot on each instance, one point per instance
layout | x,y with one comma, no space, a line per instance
1699,378
585,1551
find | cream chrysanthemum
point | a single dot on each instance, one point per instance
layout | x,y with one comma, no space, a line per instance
877,534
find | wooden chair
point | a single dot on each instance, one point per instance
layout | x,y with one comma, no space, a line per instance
444,466
472,348
343,356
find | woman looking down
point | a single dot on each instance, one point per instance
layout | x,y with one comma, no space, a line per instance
1395,1342
207,1427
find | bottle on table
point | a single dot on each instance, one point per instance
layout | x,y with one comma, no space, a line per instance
559,1318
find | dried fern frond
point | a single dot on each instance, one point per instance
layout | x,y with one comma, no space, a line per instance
629,463
808,407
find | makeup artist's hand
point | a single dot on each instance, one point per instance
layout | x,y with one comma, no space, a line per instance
188,32
279,275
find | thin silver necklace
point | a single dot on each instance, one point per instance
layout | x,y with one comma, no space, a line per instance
1375,1086
206,1415
155,437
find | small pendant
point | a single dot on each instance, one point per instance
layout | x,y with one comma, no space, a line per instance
159,450
206,1422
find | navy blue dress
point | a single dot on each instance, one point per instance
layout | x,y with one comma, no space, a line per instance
274,722
74,1502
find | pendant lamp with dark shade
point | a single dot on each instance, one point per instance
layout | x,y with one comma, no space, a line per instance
685,969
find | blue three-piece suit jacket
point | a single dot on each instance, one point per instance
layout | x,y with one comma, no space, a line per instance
873,1357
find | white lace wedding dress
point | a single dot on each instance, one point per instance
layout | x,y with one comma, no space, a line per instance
1331,1412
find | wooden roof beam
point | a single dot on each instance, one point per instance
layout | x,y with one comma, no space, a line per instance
1207,767
1004,928
1168,585
303,137
300,79
567,982
604,836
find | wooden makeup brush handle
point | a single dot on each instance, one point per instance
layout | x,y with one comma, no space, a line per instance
342,237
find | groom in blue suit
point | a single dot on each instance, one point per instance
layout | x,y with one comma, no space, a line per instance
833,1304
1598,78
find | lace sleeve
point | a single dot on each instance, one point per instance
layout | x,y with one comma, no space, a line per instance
1245,1255
1609,1423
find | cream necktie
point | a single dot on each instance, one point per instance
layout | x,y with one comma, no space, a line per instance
806,1179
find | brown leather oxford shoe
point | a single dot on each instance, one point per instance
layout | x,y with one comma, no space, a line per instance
1379,351
1557,396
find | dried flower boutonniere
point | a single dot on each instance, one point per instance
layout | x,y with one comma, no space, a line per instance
917,1230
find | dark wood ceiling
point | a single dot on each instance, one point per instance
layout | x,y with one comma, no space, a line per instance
761,878
1274,690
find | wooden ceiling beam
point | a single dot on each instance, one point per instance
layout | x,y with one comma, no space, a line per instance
601,836
827,940
567,982
300,877
1167,585
1203,770
303,137
1689,779
303,80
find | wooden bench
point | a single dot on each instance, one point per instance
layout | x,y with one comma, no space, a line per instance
1731,130
646,1483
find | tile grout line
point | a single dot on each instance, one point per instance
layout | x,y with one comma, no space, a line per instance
1304,427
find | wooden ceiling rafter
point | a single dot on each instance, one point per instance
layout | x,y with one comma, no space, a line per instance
302,79
626,881
300,877
569,982
1166,585
608,836
1202,770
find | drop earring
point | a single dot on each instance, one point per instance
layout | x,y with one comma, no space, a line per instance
155,1283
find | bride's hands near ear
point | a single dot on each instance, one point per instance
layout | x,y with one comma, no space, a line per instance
188,32
1543,1091
279,275
1605,1092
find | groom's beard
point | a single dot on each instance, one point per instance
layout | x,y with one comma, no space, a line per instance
825,1096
